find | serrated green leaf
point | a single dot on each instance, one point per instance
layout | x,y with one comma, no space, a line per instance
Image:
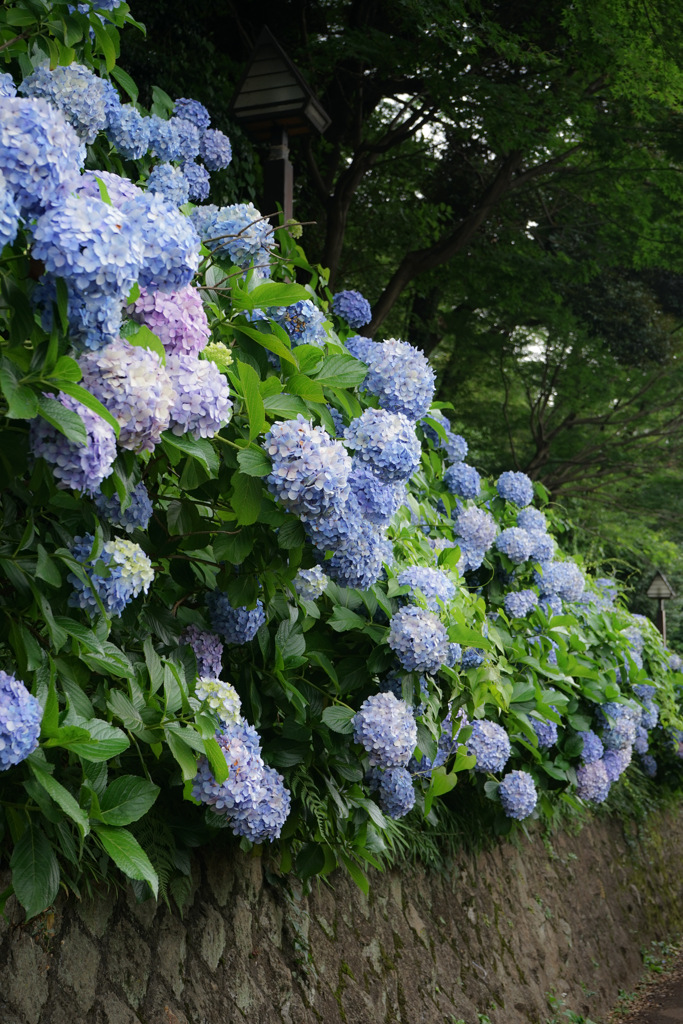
343,619
254,408
339,719
269,341
341,372
197,448
127,854
253,461
304,387
183,754
35,871
246,498
125,81
127,799
66,421
83,396
62,797
269,294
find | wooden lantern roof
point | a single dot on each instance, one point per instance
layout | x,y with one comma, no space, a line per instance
660,588
273,94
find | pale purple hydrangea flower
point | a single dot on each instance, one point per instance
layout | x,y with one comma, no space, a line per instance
136,514
118,189
170,182
79,467
617,761
515,487
419,639
236,625
642,742
207,648
396,792
619,725
202,403
177,318
675,662
129,573
401,378
310,470
433,584
262,815
518,795
546,731
133,385
215,150
84,99
490,744
462,480
385,726
20,718
592,782
386,442
353,307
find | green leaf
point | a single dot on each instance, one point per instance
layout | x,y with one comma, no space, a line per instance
269,294
288,406
104,42
183,754
216,756
310,860
343,619
22,401
442,781
253,461
299,384
196,448
246,498
341,372
67,368
83,396
127,854
356,874
46,568
125,81
268,341
91,739
249,379
127,799
140,336
62,797
35,871
339,719
66,421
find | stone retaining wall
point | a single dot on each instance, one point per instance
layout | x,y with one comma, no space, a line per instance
493,936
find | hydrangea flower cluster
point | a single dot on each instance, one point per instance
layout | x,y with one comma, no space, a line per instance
310,584
542,547
419,639
515,487
170,182
546,731
238,232
207,648
137,513
79,467
198,180
360,347
561,579
20,718
532,520
174,139
118,189
616,762
353,307
235,625
177,318
650,713
649,765
462,480
7,86
518,795
215,150
519,603
386,442
9,214
193,111
385,727
302,321
202,402
358,555
129,131
620,723
310,469
253,797
401,378
642,743
118,574
515,543
592,782
84,99
592,746
433,584
396,792
133,385
377,501
472,657
454,445
490,744
170,244
221,697
475,528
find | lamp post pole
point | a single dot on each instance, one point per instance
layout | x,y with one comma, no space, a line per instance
661,590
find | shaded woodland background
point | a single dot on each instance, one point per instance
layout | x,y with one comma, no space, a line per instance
504,183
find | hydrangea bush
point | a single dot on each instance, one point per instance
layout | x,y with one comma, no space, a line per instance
247,578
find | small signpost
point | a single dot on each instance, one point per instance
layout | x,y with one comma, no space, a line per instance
662,591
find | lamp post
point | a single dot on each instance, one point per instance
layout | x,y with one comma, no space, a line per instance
661,590
273,102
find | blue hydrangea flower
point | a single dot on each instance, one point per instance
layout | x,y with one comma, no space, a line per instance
94,320
208,650
360,347
337,419
170,244
433,584
387,442
118,189
475,527
7,86
235,625
561,579
515,543
135,516
40,154
592,747
607,588
396,792
84,99
220,696
377,501
518,795
353,307
454,445
238,232
451,728
542,547
175,139
515,487
202,402
90,244
616,762
79,467
490,744
215,150
592,782
129,132
519,603
133,385
470,557
359,556
262,815
170,182
620,724
532,520
649,765
546,731
675,662
419,639
198,181
20,718
472,657
9,214
642,743
385,726
302,321
192,110
310,584
310,470
117,575
462,480
401,378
